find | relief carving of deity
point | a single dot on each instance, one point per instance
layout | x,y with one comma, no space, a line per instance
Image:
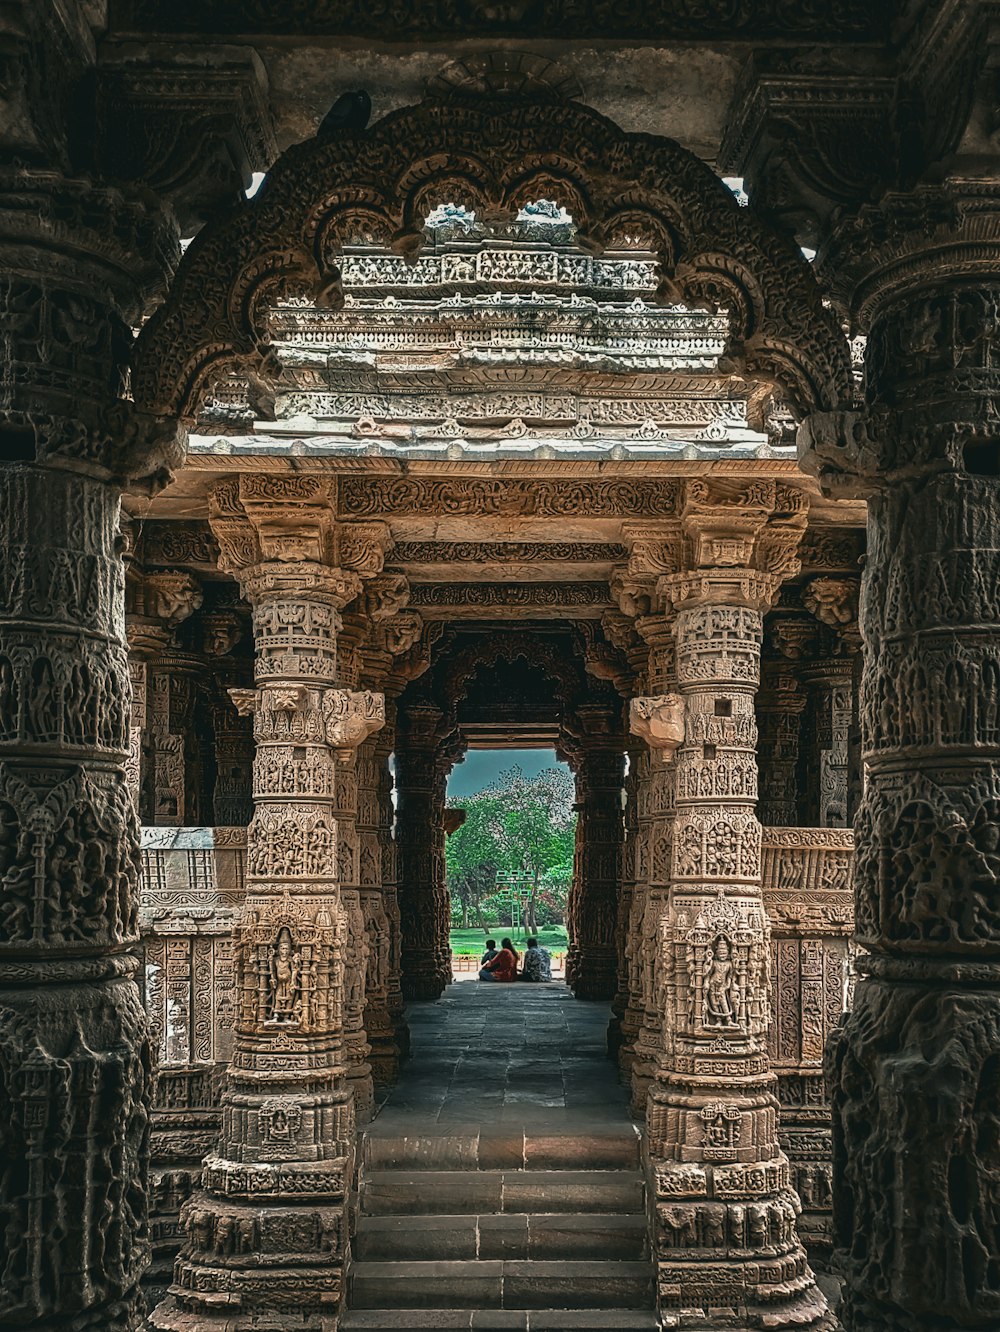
720,986
286,968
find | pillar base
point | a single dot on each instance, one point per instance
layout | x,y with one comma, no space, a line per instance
261,1265
728,1257
361,1082
592,973
386,1055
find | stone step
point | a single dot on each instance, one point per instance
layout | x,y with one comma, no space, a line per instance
561,1235
481,1192
498,1151
484,1284
524,1320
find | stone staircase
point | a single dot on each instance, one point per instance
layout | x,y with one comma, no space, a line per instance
516,1230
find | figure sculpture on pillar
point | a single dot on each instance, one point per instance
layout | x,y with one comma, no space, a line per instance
285,969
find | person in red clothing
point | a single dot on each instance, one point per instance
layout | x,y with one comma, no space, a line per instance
504,965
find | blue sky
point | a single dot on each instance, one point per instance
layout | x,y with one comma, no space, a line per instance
481,766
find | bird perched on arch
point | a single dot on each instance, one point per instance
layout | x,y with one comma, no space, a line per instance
349,114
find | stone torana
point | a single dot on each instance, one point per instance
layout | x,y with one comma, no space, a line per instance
384,383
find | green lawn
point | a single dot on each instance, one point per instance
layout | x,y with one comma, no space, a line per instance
465,942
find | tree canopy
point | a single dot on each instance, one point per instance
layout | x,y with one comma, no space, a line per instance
523,826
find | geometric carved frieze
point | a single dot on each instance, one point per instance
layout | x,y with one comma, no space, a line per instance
499,599
365,496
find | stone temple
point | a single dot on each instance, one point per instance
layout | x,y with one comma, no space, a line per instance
381,382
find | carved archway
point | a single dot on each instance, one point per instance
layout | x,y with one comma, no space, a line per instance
492,156
459,672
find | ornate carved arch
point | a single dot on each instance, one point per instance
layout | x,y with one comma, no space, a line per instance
491,155
459,672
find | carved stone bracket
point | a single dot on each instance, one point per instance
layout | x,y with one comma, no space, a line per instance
350,717
659,721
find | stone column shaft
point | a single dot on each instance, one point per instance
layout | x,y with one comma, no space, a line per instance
830,686
592,958
914,1068
727,1249
655,712
780,709
278,1183
421,783
77,265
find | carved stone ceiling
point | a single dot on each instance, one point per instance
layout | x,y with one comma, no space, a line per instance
651,67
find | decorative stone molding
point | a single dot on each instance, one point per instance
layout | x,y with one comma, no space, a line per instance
173,596
834,602
759,20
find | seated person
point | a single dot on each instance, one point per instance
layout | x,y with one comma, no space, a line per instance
504,966
491,952
537,965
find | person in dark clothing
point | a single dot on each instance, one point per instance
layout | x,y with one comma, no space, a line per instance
491,952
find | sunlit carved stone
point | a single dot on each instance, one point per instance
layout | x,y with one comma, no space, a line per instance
659,721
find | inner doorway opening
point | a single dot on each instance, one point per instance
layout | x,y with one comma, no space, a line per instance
509,863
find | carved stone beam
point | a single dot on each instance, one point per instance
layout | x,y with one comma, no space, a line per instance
192,129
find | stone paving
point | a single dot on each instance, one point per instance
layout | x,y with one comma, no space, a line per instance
502,1183
503,1057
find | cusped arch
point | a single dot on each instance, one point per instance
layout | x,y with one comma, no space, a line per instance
492,153
459,672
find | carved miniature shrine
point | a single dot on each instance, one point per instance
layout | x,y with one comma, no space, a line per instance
503,421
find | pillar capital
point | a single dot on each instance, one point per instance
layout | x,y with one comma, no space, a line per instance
918,272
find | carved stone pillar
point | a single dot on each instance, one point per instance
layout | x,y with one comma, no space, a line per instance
368,932
232,734
914,1069
654,719
829,684
625,939
420,802
835,682
266,1239
780,708
354,630
604,660
592,957
392,658
77,264
726,1244
147,639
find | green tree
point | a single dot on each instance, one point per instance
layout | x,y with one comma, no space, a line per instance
516,826
473,857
